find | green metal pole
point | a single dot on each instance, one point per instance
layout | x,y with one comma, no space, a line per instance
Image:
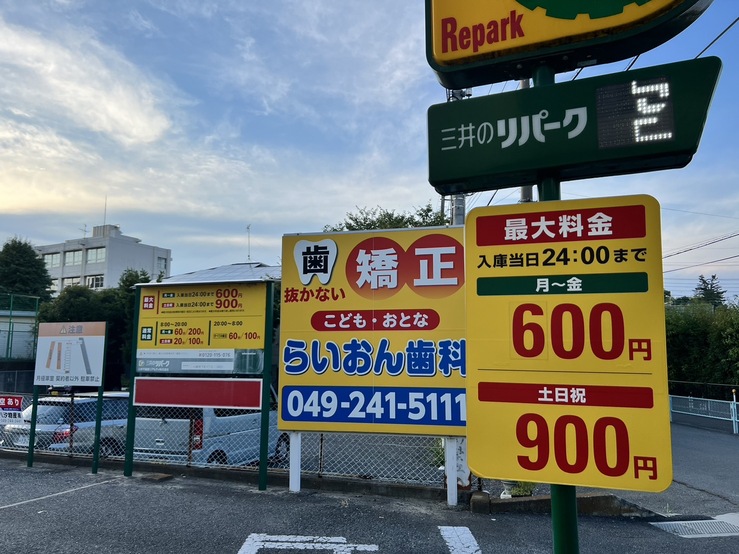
131,427
564,497
564,519
266,387
32,435
9,345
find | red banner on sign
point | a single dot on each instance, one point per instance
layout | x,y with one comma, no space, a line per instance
575,395
614,222
197,393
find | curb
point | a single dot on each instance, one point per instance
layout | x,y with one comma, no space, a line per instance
588,504
479,502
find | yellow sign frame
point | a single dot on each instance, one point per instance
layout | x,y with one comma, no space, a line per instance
201,328
372,332
480,29
567,369
479,42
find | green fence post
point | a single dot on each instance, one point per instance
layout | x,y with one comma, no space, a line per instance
131,426
266,386
32,435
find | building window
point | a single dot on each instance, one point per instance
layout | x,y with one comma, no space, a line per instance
94,281
73,257
162,265
95,255
70,281
54,286
53,260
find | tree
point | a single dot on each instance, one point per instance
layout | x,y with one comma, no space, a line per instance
709,291
22,271
370,219
126,293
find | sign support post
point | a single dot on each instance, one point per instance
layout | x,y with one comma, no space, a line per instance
131,428
266,386
564,497
32,436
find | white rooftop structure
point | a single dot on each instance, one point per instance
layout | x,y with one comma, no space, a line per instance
235,273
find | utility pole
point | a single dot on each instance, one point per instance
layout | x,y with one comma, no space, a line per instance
527,191
458,200
248,242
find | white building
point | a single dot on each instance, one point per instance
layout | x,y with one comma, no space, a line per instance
99,261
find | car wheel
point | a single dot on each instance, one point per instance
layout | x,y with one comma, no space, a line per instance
219,457
282,449
110,448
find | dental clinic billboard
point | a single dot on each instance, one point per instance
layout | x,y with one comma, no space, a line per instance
372,332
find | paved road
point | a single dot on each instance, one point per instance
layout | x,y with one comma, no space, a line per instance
705,476
63,509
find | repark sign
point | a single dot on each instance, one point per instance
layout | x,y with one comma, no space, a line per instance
480,42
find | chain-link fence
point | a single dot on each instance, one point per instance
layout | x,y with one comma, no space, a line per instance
387,458
213,437
198,437
66,424
16,381
18,326
230,438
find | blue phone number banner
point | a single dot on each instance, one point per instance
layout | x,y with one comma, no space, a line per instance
390,405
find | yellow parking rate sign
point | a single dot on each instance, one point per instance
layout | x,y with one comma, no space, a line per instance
566,361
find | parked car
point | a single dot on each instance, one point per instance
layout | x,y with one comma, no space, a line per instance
67,424
200,436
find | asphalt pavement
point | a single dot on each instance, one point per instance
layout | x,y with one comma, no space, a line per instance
62,509
705,478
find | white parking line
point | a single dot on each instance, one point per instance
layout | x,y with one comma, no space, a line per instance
336,545
56,494
460,540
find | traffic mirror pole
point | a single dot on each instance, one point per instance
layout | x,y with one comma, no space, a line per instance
564,497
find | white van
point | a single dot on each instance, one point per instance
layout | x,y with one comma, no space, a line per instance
201,436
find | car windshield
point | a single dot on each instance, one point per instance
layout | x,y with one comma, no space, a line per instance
57,413
47,413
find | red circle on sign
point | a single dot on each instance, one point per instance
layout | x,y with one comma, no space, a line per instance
373,268
434,266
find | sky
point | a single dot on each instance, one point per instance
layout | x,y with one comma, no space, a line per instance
213,128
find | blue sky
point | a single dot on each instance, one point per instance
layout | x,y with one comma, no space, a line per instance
185,121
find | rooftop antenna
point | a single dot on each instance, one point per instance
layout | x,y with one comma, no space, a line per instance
105,210
248,242
84,230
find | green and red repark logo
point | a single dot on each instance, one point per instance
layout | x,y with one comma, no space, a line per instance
570,9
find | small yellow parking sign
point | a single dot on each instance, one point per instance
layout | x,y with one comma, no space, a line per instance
566,362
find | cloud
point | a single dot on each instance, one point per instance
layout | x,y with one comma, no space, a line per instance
74,78
142,24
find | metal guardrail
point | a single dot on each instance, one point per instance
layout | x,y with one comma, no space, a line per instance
718,410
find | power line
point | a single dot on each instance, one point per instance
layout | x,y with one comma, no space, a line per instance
703,244
718,37
632,62
702,263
